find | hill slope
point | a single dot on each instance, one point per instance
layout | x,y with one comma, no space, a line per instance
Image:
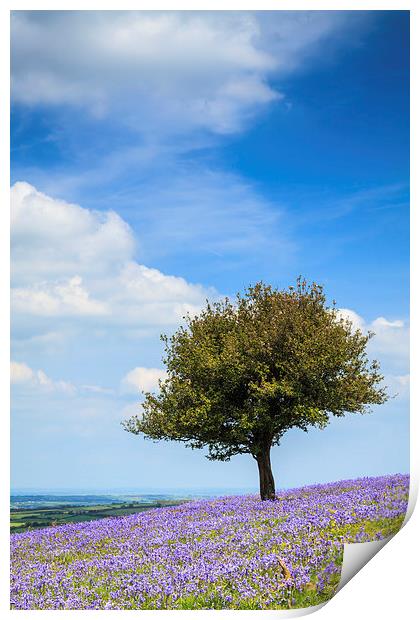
233,552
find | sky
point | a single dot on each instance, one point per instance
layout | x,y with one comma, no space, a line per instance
159,159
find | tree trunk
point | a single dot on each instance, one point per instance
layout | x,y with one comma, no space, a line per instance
267,485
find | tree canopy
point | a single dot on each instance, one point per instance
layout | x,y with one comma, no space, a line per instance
242,373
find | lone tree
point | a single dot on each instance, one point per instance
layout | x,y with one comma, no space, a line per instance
239,375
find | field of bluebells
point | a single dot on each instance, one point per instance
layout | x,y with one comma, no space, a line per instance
228,553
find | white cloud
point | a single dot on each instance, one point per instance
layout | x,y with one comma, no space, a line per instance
391,341
24,376
165,72
57,299
351,315
51,237
391,338
21,374
88,269
142,379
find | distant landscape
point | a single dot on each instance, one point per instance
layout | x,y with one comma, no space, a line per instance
39,509
23,519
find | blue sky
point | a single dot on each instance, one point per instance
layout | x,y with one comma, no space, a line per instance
159,159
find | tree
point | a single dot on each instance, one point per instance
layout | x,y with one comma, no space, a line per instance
239,375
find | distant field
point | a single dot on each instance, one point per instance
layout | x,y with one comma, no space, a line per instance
22,520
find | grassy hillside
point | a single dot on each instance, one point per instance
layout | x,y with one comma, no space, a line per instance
229,553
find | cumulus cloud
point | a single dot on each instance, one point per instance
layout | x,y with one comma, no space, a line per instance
352,316
56,299
162,71
391,341
71,261
51,237
21,374
142,379
391,337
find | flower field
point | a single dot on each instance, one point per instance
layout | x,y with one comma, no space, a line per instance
228,553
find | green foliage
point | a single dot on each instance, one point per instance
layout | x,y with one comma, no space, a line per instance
241,374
